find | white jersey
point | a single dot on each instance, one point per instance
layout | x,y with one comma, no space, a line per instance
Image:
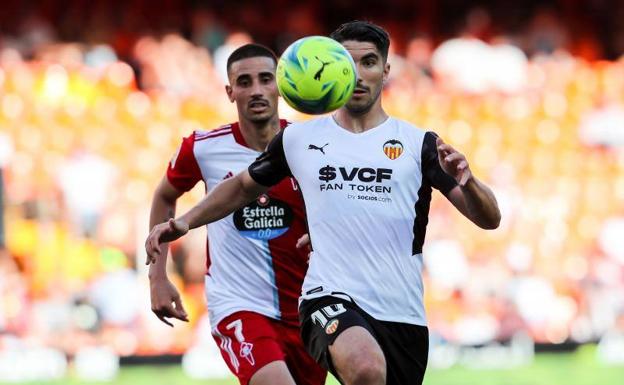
367,198
252,262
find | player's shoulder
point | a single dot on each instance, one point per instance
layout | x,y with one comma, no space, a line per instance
417,138
298,125
208,134
306,126
409,128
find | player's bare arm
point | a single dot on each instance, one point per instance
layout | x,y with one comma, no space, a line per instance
163,208
472,197
224,199
165,298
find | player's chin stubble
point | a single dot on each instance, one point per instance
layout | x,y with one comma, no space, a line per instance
361,109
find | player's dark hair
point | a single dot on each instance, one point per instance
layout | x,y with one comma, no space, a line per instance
366,32
248,51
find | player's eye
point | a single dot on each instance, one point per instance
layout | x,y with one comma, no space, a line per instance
368,62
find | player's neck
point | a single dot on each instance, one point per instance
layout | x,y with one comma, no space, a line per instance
358,123
258,135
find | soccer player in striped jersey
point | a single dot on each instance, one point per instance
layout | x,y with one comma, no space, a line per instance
367,197
254,271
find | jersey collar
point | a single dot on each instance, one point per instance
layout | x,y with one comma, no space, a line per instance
238,135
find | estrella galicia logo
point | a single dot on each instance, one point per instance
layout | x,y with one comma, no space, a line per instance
393,149
265,218
315,147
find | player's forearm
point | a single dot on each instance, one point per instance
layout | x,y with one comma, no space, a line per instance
223,200
158,269
162,210
481,204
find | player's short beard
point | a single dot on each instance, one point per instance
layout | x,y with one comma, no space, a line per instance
257,119
359,110
260,119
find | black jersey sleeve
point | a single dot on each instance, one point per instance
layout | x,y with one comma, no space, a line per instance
431,169
271,167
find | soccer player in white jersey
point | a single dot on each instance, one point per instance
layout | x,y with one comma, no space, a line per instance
367,202
254,271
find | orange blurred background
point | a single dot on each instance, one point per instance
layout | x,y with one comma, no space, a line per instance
87,128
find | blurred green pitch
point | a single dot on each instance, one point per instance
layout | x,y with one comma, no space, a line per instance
579,368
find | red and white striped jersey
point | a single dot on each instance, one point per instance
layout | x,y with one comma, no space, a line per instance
252,261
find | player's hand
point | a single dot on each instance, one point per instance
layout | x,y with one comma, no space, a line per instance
453,162
164,296
161,233
304,242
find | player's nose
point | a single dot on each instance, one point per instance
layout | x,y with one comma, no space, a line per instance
257,90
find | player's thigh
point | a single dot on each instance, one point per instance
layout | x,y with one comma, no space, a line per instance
248,342
337,335
355,354
273,373
301,365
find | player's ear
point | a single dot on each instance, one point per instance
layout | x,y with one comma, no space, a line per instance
386,72
229,92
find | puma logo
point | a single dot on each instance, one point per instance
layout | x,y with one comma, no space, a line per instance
321,149
317,76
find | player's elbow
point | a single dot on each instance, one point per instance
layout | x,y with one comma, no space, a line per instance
249,188
490,225
166,194
491,222
163,199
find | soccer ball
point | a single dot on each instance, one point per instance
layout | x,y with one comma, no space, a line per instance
316,75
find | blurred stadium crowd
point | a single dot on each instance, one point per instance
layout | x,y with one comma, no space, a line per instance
87,127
